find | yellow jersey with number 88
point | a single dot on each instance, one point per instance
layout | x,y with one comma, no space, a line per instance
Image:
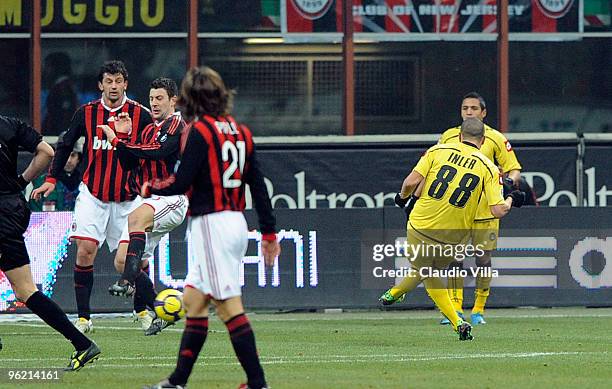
457,177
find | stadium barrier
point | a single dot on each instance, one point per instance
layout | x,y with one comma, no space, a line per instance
564,169
327,190
546,257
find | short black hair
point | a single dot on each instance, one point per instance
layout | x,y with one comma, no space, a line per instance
113,67
476,95
167,83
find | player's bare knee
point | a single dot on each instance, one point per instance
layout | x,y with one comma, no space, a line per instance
226,309
141,219
198,310
196,303
86,252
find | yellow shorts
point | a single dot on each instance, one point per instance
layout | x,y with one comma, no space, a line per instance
427,251
485,233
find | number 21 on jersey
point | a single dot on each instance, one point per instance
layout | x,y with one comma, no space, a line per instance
235,154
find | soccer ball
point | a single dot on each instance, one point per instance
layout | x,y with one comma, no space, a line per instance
169,305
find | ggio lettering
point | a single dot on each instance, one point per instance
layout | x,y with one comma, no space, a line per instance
75,12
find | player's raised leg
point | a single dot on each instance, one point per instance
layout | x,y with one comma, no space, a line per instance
396,294
139,221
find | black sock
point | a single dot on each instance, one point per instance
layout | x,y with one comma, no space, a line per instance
243,340
145,292
134,254
194,336
83,284
52,314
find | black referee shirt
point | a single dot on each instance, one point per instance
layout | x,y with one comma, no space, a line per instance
13,134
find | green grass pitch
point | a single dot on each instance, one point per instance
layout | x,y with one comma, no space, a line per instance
518,348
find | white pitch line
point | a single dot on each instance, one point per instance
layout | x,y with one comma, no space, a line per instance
325,358
102,327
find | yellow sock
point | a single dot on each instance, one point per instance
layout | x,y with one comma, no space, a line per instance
483,289
455,292
408,284
437,292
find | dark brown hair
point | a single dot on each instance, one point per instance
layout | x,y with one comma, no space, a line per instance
475,95
203,92
166,83
113,67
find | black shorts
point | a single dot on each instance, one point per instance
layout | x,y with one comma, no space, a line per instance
14,220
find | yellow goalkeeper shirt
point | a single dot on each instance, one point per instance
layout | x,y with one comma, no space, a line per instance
457,176
495,147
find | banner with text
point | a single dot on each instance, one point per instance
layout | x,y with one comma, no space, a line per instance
335,258
399,19
370,176
126,16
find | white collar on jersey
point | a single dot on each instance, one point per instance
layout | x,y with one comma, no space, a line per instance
113,109
175,113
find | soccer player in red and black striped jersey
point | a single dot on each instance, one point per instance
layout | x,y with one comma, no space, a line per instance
218,160
156,156
105,198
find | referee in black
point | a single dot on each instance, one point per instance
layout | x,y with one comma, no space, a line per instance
14,220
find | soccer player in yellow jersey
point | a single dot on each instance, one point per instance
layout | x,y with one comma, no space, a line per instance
455,177
486,229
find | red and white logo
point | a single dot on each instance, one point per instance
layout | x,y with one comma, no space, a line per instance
508,145
555,8
312,9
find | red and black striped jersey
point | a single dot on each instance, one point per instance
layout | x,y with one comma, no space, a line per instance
155,154
217,161
106,179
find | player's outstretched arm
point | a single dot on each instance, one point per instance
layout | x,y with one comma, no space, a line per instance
42,158
66,143
192,158
110,134
167,145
